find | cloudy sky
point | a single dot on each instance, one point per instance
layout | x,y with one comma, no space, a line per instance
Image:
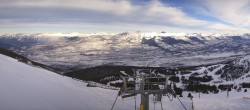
66,16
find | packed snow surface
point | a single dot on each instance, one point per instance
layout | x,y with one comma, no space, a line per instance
235,101
24,87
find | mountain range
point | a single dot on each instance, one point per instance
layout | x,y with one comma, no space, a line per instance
212,59
69,52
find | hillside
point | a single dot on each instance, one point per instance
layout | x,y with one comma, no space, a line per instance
190,78
24,87
23,59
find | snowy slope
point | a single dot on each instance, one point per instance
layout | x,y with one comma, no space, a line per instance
24,87
234,72
235,101
27,88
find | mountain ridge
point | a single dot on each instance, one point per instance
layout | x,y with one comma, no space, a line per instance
130,49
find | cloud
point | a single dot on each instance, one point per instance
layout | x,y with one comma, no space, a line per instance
235,12
109,12
118,7
69,27
169,15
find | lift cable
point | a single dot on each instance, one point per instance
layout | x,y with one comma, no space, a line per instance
118,94
135,102
161,105
181,103
114,102
169,97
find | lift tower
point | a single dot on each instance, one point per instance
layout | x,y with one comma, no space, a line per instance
145,82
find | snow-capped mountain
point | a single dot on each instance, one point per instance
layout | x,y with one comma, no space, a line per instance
74,51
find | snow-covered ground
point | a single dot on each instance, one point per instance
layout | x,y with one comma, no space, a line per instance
23,87
219,101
